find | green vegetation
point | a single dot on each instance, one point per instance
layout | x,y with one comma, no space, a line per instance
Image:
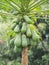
24,30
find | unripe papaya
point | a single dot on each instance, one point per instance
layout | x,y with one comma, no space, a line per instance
11,43
24,41
32,27
28,33
13,26
35,36
17,40
16,29
28,20
32,42
20,24
16,49
23,29
16,20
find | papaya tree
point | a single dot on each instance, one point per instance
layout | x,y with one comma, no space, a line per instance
25,13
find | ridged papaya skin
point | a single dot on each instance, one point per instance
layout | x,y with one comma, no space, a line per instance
35,36
13,26
24,41
17,40
28,20
28,32
24,28
17,49
16,20
16,29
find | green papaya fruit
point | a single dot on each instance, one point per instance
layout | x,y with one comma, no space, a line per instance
35,36
16,20
32,42
23,29
24,41
20,24
11,43
17,40
28,20
28,33
16,29
13,26
16,49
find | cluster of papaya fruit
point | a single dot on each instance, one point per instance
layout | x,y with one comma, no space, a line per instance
24,35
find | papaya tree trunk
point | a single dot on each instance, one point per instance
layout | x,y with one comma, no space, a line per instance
25,56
